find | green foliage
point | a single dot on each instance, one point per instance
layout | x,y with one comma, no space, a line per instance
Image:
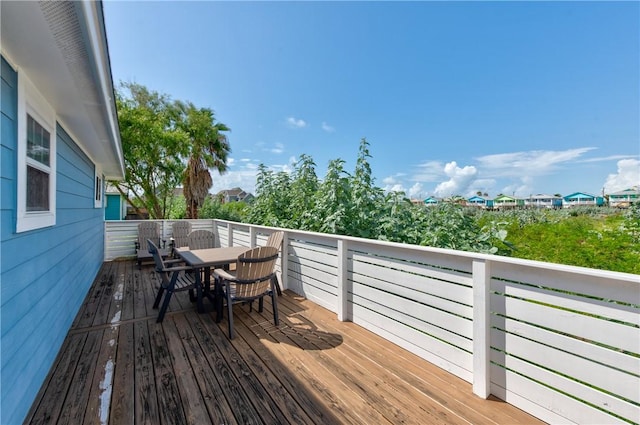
588,237
232,211
153,148
166,143
352,205
208,148
631,223
178,208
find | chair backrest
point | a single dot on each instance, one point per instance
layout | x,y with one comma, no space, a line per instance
201,239
254,270
157,258
275,239
180,233
148,230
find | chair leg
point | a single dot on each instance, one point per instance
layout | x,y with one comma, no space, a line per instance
260,304
219,294
165,305
158,297
274,280
274,301
230,313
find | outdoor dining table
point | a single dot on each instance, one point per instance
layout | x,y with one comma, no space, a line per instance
204,259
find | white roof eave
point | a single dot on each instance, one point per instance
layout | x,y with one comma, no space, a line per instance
62,48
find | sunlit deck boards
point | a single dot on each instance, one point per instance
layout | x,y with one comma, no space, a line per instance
118,366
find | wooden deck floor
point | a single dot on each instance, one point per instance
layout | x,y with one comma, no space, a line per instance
118,366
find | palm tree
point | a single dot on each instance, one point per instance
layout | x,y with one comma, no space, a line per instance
209,149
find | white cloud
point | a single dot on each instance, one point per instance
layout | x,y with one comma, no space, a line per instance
395,188
608,158
430,171
459,179
326,127
529,163
230,161
244,177
279,148
391,180
296,123
628,175
416,191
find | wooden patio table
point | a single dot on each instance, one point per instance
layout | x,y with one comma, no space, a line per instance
204,259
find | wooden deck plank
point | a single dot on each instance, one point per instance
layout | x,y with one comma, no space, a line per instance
128,296
311,369
344,395
75,403
101,386
146,398
139,301
122,399
48,405
194,406
87,313
219,409
277,381
234,393
171,408
447,390
256,393
396,400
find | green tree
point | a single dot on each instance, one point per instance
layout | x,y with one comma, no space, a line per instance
208,148
366,199
153,147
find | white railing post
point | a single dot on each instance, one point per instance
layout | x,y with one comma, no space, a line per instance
343,286
229,234
481,328
252,236
284,263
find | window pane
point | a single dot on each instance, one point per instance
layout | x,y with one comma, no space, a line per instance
37,190
38,141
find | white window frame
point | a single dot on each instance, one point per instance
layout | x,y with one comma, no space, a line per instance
31,102
98,188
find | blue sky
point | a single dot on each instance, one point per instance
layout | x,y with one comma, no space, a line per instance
454,97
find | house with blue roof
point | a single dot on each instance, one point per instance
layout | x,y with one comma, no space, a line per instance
431,201
581,199
59,141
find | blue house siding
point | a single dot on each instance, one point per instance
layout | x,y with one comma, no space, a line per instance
45,273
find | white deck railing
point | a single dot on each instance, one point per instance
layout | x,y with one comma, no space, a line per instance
560,342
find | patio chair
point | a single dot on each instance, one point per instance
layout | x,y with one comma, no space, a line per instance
201,239
252,280
173,278
180,234
275,240
147,230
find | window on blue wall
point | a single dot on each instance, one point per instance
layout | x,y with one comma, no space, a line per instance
38,169
36,179
98,189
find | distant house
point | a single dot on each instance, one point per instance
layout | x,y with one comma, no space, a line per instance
234,195
624,198
506,201
115,204
477,201
60,141
543,201
431,200
581,199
